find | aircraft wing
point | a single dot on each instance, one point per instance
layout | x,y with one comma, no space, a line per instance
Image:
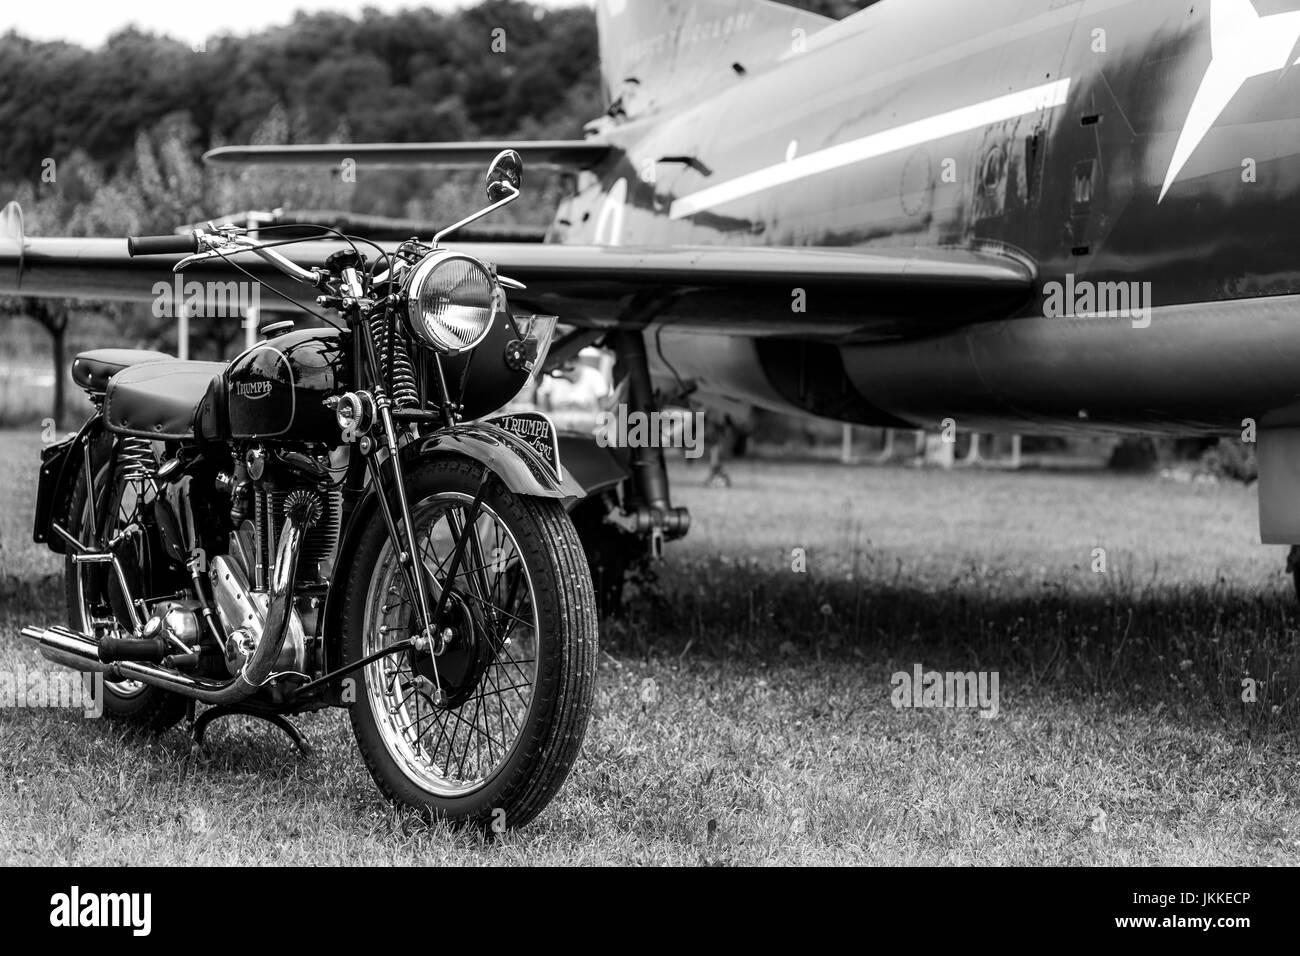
577,154
834,294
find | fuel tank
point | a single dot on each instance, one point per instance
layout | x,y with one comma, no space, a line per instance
277,389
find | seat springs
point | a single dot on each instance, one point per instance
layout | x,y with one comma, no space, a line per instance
135,461
395,363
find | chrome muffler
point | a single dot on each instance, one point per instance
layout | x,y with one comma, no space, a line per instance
67,647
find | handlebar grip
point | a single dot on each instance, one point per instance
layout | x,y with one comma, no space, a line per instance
161,245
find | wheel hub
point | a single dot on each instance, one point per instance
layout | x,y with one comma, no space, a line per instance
457,670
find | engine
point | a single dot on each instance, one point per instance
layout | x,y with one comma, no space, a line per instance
243,614
265,487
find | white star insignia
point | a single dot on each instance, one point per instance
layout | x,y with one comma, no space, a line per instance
1243,45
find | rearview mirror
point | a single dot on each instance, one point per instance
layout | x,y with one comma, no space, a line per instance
504,174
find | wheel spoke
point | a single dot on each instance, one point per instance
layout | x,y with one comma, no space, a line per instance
452,748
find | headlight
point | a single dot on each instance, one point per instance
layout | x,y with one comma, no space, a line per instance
451,301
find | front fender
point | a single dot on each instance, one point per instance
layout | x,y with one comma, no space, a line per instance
508,456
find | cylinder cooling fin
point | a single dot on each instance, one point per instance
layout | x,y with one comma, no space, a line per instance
316,560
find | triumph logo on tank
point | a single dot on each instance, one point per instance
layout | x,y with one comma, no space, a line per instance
76,909
208,300
1083,299
253,390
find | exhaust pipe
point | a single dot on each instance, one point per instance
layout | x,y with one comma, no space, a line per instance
75,650
66,647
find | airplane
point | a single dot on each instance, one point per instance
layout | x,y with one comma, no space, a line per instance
1017,216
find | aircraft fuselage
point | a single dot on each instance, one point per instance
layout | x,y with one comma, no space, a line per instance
1144,155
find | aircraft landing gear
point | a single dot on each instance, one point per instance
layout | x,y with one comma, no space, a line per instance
646,505
1293,567
624,530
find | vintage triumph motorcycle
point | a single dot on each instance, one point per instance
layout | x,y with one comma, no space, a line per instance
335,518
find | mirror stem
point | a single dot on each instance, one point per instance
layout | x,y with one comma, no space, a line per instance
514,194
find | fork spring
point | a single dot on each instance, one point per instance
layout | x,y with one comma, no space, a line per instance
395,364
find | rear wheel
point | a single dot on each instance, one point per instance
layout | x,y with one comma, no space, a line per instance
96,605
486,731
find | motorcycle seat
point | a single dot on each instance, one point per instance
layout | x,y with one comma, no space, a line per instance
92,370
158,399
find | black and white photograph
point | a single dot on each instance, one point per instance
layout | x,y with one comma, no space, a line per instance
652,433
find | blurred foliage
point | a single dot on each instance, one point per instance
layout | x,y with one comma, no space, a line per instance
1230,459
122,127
408,76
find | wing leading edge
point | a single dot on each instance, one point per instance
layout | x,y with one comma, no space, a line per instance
579,154
833,294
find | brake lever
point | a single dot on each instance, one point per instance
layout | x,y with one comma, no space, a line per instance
195,257
213,242
215,251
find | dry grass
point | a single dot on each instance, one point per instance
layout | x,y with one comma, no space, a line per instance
767,733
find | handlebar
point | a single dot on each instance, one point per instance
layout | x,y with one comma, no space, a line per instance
202,245
161,245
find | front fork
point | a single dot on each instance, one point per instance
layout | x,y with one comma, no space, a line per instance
399,521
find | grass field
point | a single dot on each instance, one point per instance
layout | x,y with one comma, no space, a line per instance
743,711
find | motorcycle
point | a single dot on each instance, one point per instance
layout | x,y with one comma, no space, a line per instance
339,518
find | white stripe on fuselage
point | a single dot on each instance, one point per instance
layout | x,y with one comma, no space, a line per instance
927,130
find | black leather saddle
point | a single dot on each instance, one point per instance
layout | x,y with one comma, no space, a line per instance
92,370
157,399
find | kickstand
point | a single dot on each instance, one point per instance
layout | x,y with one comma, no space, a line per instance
199,727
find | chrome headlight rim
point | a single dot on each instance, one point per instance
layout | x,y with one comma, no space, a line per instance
414,286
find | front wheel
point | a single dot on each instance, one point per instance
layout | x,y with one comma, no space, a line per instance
486,731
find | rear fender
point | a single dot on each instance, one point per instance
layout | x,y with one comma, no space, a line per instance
60,463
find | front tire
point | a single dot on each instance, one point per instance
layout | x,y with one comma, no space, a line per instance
514,687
